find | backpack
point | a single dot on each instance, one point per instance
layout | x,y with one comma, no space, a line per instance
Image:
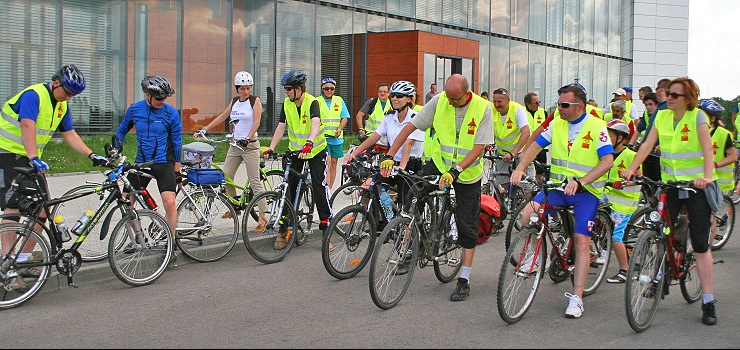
490,214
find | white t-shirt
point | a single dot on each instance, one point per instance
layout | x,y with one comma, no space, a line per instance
390,127
243,112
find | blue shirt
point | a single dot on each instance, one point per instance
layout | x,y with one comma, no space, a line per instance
27,107
345,115
158,132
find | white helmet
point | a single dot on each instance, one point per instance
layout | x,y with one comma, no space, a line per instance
243,78
404,88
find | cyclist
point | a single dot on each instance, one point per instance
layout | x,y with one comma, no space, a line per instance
625,95
247,110
463,125
624,200
618,109
723,146
536,116
334,114
510,129
29,119
375,109
159,138
686,155
302,115
582,154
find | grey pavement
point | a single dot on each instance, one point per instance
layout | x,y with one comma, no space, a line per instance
238,302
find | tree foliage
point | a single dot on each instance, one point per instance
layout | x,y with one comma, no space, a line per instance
729,105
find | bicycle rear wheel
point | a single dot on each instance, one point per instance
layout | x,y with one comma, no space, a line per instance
447,251
304,215
344,196
262,245
600,250
203,233
348,242
518,283
272,178
690,285
725,219
397,246
147,250
18,283
644,285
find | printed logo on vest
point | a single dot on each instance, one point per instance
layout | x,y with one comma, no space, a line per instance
539,119
509,124
685,133
621,166
304,118
336,107
714,148
472,127
587,140
59,113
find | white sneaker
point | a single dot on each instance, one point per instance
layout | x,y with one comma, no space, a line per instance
575,306
526,265
601,260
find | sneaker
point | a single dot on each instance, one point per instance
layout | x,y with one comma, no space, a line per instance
227,215
709,317
404,266
601,260
526,265
575,306
462,291
621,277
323,224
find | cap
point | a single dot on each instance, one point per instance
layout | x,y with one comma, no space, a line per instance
620,92
627,89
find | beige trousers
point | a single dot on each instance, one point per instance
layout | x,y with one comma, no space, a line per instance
251,157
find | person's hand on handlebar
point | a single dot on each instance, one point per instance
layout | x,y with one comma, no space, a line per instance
386,166
627,174
702,182
268,153
448,178
509,157
573,187
516,177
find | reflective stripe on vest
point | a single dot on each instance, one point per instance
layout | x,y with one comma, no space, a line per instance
725,174
331,117
624,200
506,133
455,146
377,116
47,121
681,156
299,127
583,155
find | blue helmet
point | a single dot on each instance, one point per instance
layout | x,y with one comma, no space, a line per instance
576,84
328,81
71,78
711,106
294,78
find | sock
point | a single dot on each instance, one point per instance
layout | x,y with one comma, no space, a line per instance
22,257
465,273
708,298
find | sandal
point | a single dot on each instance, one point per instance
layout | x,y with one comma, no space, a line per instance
261,225
279,242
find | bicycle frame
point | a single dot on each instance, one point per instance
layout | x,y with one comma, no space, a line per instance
673,260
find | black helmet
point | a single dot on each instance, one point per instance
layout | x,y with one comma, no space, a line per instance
71,78
294,78
157,86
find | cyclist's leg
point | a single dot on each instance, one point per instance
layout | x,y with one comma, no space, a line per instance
251,156
466,219
699,214
585,205
620,224
321,193
231,165
164,173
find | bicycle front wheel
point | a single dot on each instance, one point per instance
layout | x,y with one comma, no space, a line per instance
691,288
272,178
393,262
348,242
205,232
725,219
518,282
600,251
21,281
644,285
344,196
275,242
147,247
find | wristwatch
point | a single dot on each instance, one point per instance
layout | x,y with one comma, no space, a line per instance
458,168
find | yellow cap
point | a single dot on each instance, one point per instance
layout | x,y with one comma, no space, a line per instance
89,212
58,219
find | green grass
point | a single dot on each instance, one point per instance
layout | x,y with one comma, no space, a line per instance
63,159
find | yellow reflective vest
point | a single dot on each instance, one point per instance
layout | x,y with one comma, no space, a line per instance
725,174
626,199
681,156
582,156
47,121
331,116
299,126
506,133
374,119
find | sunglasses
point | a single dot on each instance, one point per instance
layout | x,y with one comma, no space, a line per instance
499,92
160,99
288,88
399,96
456,100
67,93
383,91
674,95
566,105
328,89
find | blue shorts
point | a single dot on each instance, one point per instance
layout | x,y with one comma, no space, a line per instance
335,151
585,205
620,224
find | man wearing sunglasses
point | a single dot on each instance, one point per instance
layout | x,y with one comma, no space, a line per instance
462,121
582,154
334,116
375,109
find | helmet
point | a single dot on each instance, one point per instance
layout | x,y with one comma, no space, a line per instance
618,126
243,78
711,106
294,78
71,78
576,84
157,86
403,87
328,81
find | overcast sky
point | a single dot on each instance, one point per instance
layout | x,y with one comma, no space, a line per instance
714,47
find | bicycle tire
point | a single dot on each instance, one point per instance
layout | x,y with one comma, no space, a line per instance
217,236
261,245
644,285
390,250
691,288
725,218
304,215
635,225
511,306
273,178
447,251
514,226
15,291
141,263
348,244
343,197
601,241
556,272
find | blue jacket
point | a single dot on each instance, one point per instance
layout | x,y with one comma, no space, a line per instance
158,132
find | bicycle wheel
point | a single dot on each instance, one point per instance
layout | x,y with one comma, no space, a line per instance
690,285
518,283
514,227
272,178
19,283
725,219
148,247
203,234
447,251
644,285
636,225
348,242
396,246
304,216
600,249
344,196
94,249
262,245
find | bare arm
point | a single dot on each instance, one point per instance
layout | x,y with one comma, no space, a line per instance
257,118
342,125
706,146
359,119
472,156
523,140
315,128
75,142
28,137
406,154
731,158
400,139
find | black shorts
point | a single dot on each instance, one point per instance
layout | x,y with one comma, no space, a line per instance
8,197
164,173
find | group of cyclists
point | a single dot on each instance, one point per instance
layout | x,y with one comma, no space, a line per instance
680,138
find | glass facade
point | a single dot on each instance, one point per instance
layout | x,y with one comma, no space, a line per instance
525,45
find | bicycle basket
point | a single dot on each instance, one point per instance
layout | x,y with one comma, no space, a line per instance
199,151
206,176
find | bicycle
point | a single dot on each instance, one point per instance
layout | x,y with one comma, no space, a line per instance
283,215
522,268
353,175
420,236
138,251
662,254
